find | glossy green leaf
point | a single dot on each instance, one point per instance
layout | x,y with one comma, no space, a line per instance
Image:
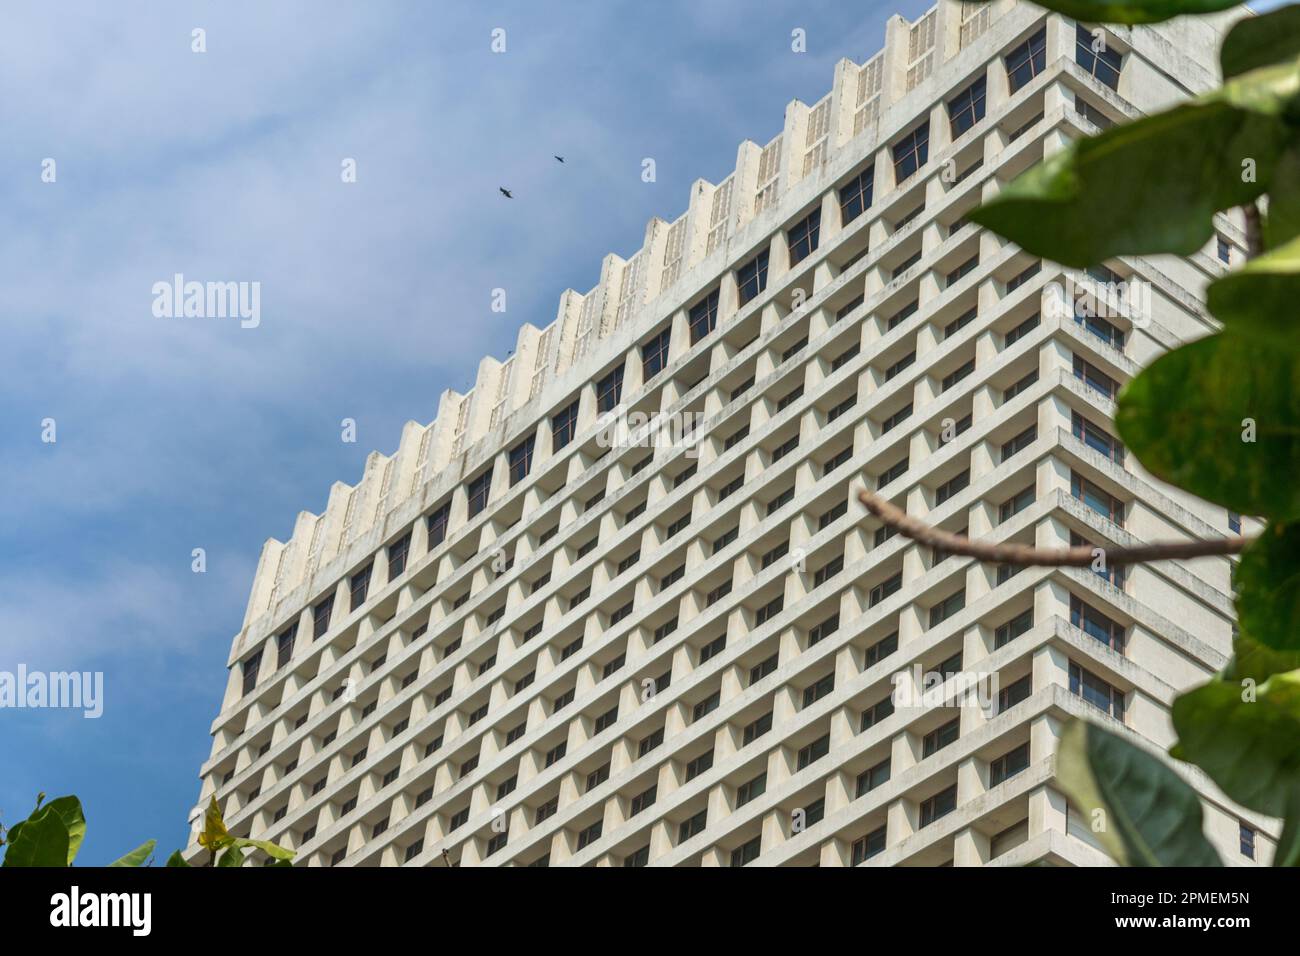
1259,41
1151,816
69,808
176,859
137,856
1251,659
1152,185
1261,297
41,840
1282,224
266,846
233,856
1244,736
1135,11
1188,416
1268,587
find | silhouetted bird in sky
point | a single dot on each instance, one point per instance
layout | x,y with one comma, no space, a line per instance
505,192
560,158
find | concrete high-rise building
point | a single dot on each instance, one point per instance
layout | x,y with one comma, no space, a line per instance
541,634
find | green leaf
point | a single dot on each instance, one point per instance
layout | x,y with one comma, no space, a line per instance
1260,297
1282,223
1268,588
1134,11
41,840
1187,415
137,856
266,846
1152,185
176,859
1252,660
233,856
214,835
1244,738
1258,41
69,809
1152,818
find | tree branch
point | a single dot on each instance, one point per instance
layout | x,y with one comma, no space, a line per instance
1028,555
1254,230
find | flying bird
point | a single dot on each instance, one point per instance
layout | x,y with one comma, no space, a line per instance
560,158
505,192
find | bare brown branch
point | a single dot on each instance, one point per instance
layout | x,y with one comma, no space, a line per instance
1028,555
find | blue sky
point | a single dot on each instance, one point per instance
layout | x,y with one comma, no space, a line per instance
177,434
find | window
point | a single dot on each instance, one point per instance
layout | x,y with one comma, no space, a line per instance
703,317
940,805
590,835
885,588
911,152
898,417
751,790
706,706
940,737
713,648
747,852
906,264
868,846
1247,842
902,314
1008,632
521,460
359,584
966,108
952,486
1095,57
655,739
815,692
284,641
1096,691
762,669
1014,283
718,593
1096,438
769,610
458,819
752,277
959,323
873,777
1027,60
496,843
397,553
1234,525
252,664
609,390
1008,765
564,425
833,515
414,850
1014,693
895,471
756,728
1224,250
640,857
546,810
1108,332
692,825
881,649
699,765
955,376
1020,442
478,492
855,195
828,571
1095,378
1021,330
840,314
802,238
614,666
814,751
898,366
947,608
607,719
1020,386
507,787
321,617
437,522
1100,501
1088,619
644,800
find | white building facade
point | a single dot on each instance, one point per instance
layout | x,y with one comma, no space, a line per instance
539,634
